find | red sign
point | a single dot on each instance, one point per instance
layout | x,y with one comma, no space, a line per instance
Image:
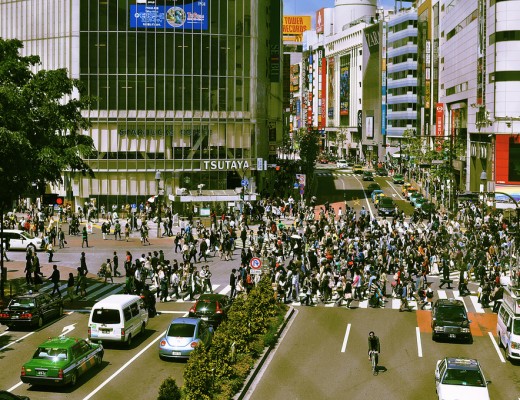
323,92
255,263
320,21
439,119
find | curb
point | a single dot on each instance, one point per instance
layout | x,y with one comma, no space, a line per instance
263,358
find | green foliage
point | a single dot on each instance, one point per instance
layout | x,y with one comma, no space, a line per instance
198,377
252,324
40,124
169,390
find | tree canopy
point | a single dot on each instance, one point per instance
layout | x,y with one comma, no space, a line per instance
40,124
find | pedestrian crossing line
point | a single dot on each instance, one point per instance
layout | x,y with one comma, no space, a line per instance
396,304
214,288
478,307
91,293
117,290
457,296
226,290
442,294
363,304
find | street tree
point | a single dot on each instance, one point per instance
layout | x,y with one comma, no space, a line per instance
40,127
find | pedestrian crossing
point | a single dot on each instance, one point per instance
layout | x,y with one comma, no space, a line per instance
470,302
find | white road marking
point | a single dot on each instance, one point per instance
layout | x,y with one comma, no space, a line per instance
226,290
15,386
496,347
126,365
419,344
476,304
16,341
442,294
345,339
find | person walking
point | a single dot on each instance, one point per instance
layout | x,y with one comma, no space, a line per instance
233,283
55,279
117,230
84,237
61,238
108,271
50,251
29,269
37,277
115,263
127,231
70,287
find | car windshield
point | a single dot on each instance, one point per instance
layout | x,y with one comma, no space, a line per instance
516,327
181,330
22,302
47,353
206,305
106,316
464,377
451,313
26,235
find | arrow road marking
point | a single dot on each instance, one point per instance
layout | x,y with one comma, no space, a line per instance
67,329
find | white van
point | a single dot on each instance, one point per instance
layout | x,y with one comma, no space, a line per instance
117,318
508,323
21,240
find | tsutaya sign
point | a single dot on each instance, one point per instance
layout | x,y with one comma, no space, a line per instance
223,165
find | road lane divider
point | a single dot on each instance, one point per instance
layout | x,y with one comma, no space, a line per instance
16,341
345,339
419,344
495,345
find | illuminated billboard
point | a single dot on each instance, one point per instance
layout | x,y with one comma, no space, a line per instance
294,26
192,16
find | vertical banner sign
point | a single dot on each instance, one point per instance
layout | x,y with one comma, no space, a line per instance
323,92
275,39
330,94
383,82
344,85
481,53
320,21
360,122
439,122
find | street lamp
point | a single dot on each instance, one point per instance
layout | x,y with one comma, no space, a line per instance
157,181
483,181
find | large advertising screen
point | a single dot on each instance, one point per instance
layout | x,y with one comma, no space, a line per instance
191,16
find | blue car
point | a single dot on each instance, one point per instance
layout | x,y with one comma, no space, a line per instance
183,336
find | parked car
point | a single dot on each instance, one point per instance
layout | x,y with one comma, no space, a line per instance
31,310
460,378
427,208
386,207
408,192
211,307
378,198
368,176
17,239
182,337
375,193
61,360
419,201
398,179
450,320
372,187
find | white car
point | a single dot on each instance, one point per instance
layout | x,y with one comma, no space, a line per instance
341,164
21,240
460,378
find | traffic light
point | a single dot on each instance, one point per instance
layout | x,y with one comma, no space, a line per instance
49,198
60,200
277,168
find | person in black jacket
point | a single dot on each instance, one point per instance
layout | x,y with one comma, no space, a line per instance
55,279
233,283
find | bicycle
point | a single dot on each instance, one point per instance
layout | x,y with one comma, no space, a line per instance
373,361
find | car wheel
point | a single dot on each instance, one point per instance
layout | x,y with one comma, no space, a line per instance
143,328
98,359
129,341
434,337
74,379
40,321
60,311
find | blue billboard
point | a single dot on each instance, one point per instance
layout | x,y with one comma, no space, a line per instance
192,16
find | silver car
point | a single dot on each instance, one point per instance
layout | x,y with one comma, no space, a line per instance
183,336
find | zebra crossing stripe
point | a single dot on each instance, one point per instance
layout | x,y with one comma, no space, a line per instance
442,294
117,290
92,294
476,304
396,304
457,296
226,289
363,304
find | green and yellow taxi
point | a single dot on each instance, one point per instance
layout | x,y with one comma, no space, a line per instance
60,361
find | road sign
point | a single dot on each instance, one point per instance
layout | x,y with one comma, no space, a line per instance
256,265
245,182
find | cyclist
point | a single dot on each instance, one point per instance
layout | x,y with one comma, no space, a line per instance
373,346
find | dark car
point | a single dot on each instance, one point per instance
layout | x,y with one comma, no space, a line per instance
4,395
368,176
212,308
372,187
386,207
32,309
450,320
398,179
427,208
381,172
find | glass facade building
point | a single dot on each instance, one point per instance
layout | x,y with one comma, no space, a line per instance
182,87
